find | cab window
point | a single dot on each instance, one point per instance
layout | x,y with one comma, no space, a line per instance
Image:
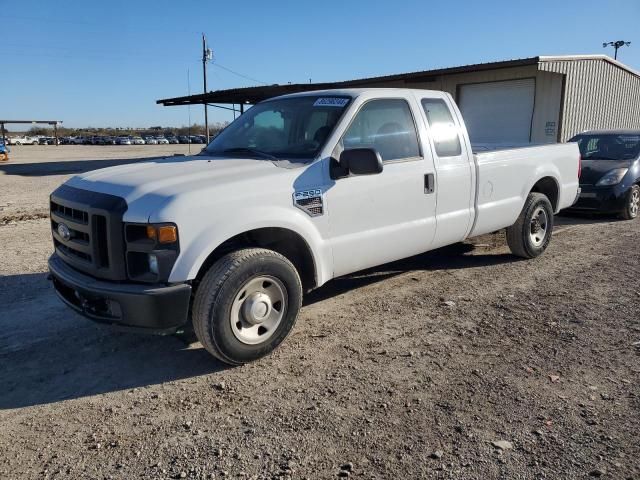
442,128
387,126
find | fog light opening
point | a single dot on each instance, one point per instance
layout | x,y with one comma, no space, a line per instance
153,263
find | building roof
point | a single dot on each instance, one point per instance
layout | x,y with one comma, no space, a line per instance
605,58
253,95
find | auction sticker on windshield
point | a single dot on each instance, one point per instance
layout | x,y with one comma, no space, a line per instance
331,102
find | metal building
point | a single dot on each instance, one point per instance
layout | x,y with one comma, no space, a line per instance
530,100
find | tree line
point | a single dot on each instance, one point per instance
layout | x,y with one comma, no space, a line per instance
195,129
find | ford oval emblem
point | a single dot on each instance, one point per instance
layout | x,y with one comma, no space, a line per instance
64,232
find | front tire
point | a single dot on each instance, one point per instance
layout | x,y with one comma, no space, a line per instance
246,305
529,237
632,206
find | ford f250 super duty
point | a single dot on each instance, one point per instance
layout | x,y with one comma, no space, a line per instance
298,190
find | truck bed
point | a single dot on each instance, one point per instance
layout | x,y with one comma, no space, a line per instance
503,181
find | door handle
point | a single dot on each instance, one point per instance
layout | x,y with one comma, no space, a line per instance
429,183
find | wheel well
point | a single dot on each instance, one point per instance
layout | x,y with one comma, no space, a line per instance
285,242
548,187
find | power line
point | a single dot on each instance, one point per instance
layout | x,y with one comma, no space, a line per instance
238,74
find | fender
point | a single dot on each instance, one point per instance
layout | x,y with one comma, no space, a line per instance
547,171
195,251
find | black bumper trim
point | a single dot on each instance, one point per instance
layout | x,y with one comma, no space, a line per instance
608,200
151,308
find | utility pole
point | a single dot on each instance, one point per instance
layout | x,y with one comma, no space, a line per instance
207,55
616,46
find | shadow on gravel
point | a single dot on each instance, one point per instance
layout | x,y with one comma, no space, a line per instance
48,353
579,218
42,169
452,257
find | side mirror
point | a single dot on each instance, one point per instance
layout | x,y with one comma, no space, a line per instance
361,161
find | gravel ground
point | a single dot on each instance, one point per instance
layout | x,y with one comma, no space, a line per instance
461,363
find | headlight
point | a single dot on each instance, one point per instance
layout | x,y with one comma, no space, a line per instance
151,251
612,177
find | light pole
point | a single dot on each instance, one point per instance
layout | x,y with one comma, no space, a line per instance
207,55
616,45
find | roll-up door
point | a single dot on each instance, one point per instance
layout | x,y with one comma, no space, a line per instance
498,112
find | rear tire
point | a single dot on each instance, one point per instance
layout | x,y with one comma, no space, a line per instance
529,237
246,305
632,207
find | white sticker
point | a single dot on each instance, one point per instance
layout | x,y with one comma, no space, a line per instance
331,102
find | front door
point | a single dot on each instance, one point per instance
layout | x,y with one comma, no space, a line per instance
376,219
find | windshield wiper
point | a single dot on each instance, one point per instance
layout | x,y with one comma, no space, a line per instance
252,151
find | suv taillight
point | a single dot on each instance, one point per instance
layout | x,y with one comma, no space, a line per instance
579,166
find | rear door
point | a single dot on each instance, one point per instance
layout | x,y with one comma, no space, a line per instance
454,167
376,219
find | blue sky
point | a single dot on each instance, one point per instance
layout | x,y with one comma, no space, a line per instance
105,63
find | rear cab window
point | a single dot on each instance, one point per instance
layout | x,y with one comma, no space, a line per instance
443,130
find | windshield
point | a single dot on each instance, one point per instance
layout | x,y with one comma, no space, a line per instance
608,146
294,128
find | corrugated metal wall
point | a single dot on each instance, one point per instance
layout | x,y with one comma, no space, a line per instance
598,94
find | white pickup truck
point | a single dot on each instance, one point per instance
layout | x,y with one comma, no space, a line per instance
23,140
298,190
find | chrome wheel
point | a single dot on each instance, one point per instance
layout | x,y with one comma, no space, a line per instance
634,203
539,226
258,309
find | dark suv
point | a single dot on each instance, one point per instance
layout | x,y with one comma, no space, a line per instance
610,179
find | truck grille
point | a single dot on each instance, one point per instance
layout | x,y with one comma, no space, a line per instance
87,231
69,213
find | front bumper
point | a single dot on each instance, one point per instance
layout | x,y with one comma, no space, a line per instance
601,199
151,308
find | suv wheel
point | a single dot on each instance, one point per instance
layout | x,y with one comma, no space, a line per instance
632,207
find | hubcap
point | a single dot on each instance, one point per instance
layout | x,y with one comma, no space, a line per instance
539,226
258,309
634,203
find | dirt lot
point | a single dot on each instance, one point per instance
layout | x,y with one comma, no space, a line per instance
461,363
35,170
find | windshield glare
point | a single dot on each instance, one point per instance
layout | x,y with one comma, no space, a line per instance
293,128
608,146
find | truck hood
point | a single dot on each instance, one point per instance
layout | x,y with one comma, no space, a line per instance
594,170
147,185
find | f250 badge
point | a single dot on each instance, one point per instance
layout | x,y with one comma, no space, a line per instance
309,201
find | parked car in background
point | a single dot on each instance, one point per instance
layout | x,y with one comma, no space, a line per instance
184,139
23,140
124,141
162,141
138,141
4,151
173,140
109,140
196,139
150,141
610,179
